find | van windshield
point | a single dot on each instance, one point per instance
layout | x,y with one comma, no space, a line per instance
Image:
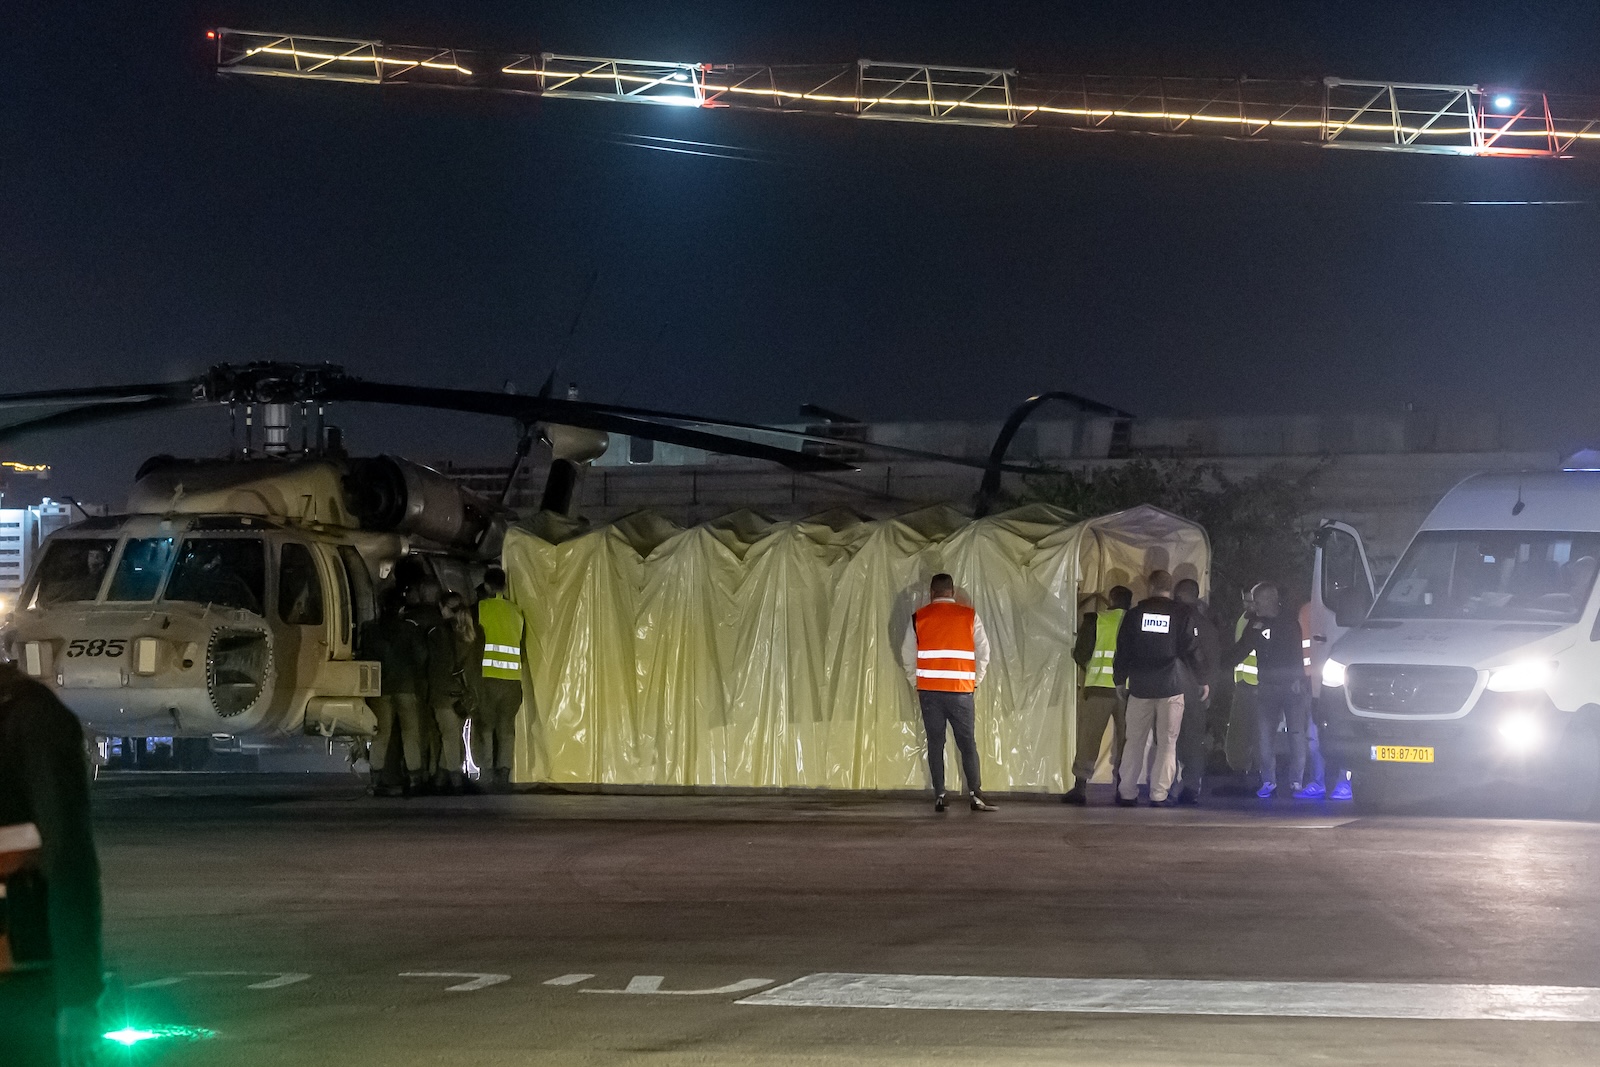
1496,575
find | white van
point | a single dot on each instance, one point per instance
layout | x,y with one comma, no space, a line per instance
1479,662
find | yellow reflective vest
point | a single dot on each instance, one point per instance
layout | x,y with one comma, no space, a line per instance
502,638
1245,673
1099,674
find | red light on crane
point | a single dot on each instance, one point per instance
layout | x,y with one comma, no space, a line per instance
211,35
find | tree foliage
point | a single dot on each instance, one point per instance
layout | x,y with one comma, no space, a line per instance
1257,524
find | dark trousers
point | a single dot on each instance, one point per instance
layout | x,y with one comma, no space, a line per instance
939,708
1098,706
1288,703
1192,742
494,724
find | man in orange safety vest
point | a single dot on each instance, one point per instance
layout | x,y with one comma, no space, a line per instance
946,654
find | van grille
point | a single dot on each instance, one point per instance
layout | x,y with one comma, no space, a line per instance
1409,689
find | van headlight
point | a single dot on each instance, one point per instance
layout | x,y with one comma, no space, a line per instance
1521,677
1333,674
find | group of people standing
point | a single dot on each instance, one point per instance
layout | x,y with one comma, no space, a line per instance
450,670
1149,673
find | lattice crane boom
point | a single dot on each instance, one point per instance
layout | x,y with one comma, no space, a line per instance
1332,112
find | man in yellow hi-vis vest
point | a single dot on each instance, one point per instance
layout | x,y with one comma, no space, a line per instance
1098,702
494,722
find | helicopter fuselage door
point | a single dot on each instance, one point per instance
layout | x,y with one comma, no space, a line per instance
303,615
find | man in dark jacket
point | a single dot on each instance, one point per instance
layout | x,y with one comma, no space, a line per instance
397,642
1157,653
50,915
1196,694
1282,692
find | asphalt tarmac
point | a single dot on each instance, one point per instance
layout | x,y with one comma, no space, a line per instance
293,921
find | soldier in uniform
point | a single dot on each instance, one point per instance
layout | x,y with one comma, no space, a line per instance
50,959
398,644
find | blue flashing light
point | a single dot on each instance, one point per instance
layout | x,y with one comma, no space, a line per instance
1503,102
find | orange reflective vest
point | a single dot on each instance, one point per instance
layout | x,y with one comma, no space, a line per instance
947,654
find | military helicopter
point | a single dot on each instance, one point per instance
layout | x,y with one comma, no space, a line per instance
228,598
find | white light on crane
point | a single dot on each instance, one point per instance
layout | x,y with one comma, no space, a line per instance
1502,102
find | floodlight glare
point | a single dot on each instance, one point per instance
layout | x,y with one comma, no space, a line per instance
1502,102
129,1036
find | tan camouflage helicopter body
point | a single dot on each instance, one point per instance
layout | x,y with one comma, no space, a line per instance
229,600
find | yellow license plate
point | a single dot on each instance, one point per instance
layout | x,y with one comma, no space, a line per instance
1402,754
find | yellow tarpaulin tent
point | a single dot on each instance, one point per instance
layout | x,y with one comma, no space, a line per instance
749,653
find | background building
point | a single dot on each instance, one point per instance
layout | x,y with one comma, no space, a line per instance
1380,472
22,530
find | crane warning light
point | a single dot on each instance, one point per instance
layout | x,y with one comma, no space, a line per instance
211,35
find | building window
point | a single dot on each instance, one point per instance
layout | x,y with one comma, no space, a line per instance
641,450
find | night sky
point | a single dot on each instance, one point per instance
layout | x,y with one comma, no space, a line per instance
157,219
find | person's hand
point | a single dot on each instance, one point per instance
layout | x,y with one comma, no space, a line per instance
78,1035
1122,693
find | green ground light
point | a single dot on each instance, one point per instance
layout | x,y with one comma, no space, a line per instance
129,1036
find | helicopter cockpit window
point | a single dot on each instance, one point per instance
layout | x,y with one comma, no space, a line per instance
229,572
144,563
299,587
72,570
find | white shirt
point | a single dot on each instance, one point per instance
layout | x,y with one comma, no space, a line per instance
980,646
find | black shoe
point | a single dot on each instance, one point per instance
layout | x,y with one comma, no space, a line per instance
1076,795
1188,798
1126,802
938,802
981,803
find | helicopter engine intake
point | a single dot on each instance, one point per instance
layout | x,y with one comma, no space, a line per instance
393,495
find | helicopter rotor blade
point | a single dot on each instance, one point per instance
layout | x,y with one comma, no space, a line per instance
91,414
111,394
801,435
579,414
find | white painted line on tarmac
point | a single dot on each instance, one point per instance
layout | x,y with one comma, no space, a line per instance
479,979
650,985
1330,1000
569,979
275,979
